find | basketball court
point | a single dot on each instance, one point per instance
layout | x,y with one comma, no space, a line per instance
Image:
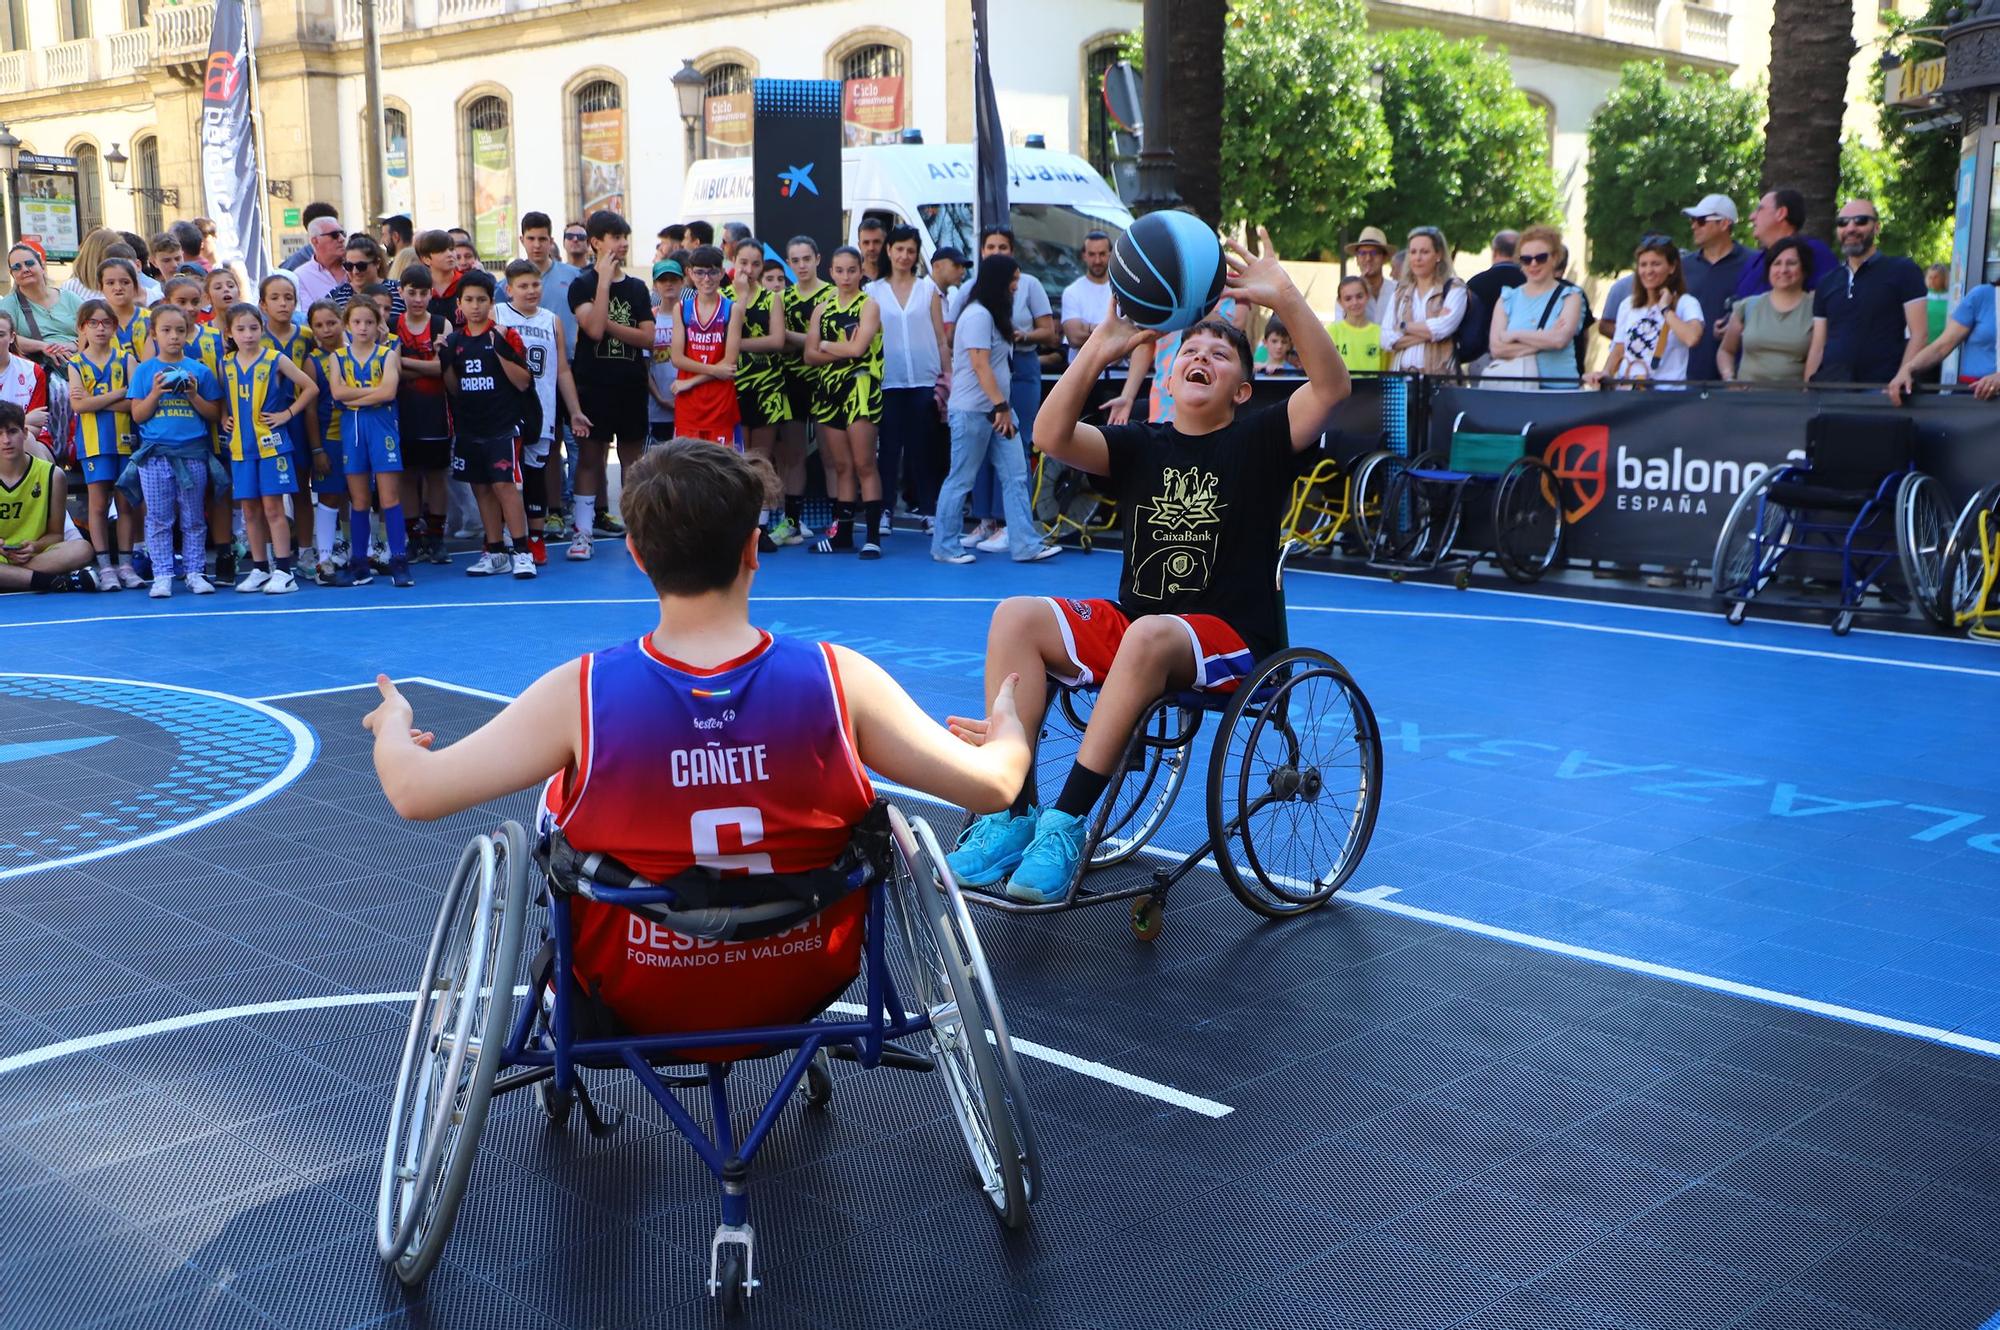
1665,996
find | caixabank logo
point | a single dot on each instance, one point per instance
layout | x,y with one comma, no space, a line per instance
1641,479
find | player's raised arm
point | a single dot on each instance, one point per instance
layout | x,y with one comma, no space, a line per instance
1263,281
534,738
898,740
1059,430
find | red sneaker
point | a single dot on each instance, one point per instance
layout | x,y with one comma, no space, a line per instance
538,549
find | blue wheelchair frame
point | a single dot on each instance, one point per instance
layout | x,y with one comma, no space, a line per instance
548,1055
1424,505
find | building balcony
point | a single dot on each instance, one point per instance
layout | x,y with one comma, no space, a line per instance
1695,28
67,63
181,32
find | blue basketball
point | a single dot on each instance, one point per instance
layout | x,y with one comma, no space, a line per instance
1167,271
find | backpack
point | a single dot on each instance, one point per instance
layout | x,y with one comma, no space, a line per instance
1584,324
1475,330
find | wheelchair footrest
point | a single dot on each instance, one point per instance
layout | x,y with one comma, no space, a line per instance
892,1056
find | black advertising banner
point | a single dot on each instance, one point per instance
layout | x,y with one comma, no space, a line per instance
796,159
989,141
1650,476
229,173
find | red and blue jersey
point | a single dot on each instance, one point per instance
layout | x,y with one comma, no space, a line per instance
746,768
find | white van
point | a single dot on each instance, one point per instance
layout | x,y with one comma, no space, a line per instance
1054,200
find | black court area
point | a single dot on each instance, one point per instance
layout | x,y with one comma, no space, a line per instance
1350,1120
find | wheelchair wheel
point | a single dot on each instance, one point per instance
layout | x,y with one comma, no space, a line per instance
1923,528
947,979
458,1033
1740,569
1527,520
1364,501
1136,806
1417,524
1294,783
1964,580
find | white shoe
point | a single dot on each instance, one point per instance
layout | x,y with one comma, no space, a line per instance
256,580
200,585
981,532
281,583
994,543
162,588
486,565
524,566
1045,552
340,554
468,533
128,577
378,553
579,549
961,557
107,580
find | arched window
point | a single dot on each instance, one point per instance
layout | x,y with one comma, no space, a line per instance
396,194
873,94
1547,109
487,166
726,110
146,175
599,108
1097,126
89,189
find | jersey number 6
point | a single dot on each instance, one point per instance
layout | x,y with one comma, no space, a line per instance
705,828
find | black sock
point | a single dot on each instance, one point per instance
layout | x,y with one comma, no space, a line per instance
843,521
42,581
872,510
534,494
261,565
284,563
1080,791
493,547
795,509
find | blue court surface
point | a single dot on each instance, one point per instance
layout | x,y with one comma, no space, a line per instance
1668,992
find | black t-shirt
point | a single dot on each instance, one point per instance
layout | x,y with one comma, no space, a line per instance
611,361
486,404
1866,328
1201,515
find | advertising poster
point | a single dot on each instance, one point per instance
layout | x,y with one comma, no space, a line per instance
797,159
45,199
729,124
600,141
871,111
396,166
230,180
492,193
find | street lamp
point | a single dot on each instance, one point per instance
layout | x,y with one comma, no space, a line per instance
10,157
116,163
1377,77
691,87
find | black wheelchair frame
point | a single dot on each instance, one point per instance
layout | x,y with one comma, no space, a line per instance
1424,504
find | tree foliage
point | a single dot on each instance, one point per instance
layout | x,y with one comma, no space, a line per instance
1657,144
1471,152
1303,143
1913,176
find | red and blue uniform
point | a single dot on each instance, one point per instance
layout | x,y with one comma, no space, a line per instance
709,410
746,768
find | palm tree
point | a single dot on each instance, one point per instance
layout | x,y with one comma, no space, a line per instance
1196,102
1812,48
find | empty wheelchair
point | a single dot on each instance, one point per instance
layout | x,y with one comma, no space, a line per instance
1425,503
1337,497
1966,601
1066,502
1856,512
481,1027
1291,789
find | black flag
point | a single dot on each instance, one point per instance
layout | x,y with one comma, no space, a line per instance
989,140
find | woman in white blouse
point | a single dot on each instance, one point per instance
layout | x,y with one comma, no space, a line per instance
913,356
1429,304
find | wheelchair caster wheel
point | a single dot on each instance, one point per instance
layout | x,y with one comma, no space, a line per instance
1842,622
819,1080
1149,915
1396,576
555,1104
1463,580
1736,613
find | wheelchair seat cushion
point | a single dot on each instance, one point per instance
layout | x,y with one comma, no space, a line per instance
1804,494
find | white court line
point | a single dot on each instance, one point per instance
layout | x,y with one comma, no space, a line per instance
1139,1085
263,612
304,745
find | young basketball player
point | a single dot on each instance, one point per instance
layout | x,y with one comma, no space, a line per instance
485,370
541,335
98,374
420,403
363,376
1200,503
34,553
266,393
707,741
706,337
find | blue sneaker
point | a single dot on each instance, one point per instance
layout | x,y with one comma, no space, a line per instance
1048,868
990,848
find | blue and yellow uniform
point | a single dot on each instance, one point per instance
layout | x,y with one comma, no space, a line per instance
133,335
329,413
296,345
261,463
369,433
205,345
103,438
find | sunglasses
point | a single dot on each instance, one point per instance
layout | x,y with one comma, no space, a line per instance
576,235
1858,219
23,265
362,266
1536,258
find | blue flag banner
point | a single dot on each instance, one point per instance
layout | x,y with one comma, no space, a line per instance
989,140
795,158
230,179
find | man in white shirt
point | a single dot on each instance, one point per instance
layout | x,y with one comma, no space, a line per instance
318,275
1086,302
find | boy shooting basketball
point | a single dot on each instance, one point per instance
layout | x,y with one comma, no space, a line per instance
1200,503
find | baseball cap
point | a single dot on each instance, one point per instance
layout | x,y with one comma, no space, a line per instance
667,268
953,253
1713,205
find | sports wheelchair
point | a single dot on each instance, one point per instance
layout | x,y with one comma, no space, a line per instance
1335,500
1858,504
1294,783
477,1032
1965,598
1424,506
1067,501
